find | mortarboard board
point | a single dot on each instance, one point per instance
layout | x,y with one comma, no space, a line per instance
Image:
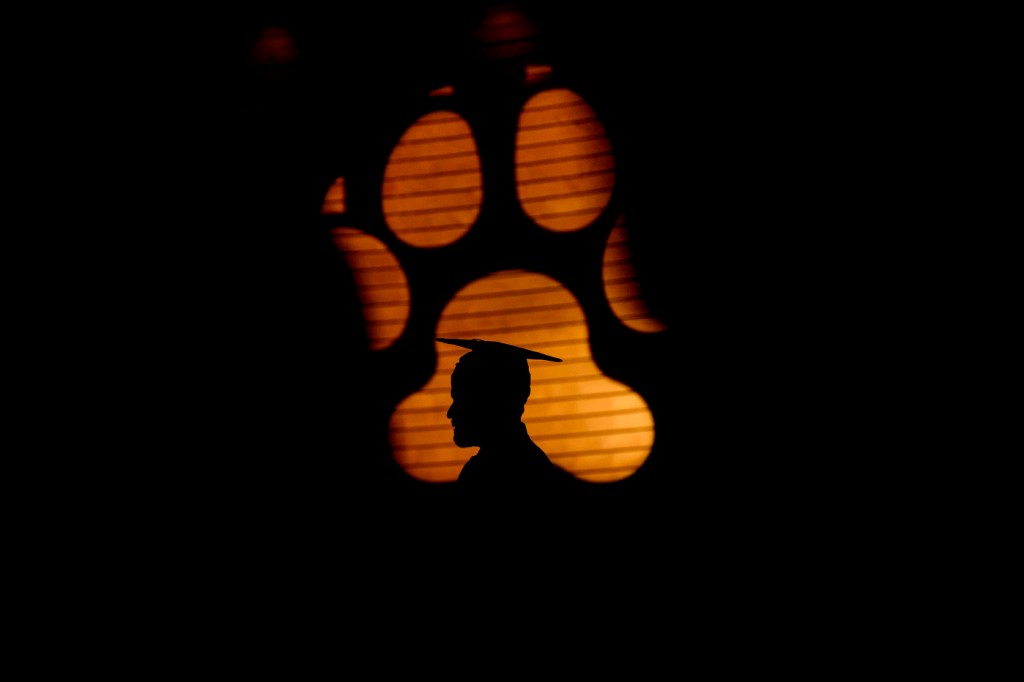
499,348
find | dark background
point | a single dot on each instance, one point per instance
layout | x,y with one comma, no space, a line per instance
743,143
209,458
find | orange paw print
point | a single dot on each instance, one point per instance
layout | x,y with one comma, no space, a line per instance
500,220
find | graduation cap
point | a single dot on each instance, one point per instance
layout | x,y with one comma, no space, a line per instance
495,367
499,349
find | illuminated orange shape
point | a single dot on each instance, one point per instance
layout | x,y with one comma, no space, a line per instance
334,201
381,284
432,183
594,427
621,286
442,91
565,169
535,73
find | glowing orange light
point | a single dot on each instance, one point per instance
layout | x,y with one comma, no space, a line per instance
620,283
381,284
565,169
334,201
432,188
443,91
590,425
537,72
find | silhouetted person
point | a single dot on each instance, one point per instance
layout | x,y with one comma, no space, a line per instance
490,386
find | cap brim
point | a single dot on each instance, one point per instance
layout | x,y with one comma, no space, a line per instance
485,346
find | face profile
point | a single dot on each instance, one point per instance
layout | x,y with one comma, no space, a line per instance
489,393
490,386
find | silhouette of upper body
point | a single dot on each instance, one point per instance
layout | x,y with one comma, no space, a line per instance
489,387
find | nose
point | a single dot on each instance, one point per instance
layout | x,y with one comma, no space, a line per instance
448,414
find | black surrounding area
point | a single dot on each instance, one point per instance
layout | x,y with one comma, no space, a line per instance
741,141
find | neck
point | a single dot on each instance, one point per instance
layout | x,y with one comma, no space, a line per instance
505,433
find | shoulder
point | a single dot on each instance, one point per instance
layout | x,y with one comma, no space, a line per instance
471,469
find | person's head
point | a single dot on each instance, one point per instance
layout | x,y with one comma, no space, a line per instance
490,386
